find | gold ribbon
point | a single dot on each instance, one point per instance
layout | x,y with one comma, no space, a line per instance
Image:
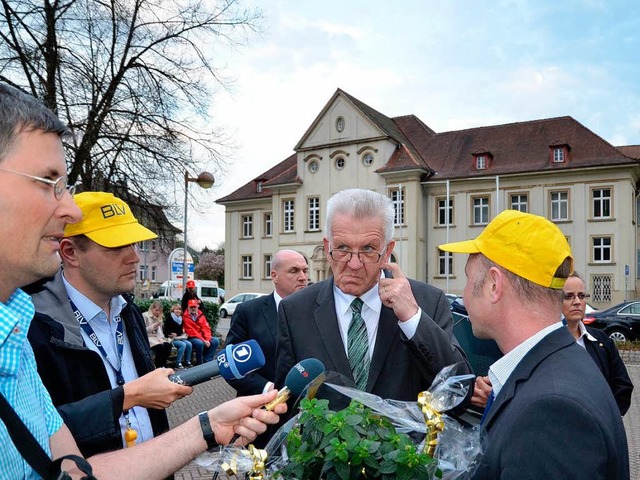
257,456
433,419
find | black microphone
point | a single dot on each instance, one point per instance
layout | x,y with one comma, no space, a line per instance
234,362
299,377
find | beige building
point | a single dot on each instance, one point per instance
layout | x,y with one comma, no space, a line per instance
445,187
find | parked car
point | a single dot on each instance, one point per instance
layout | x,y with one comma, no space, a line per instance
227,308
481,353
621,322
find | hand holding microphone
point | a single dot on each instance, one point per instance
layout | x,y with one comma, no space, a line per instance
234,362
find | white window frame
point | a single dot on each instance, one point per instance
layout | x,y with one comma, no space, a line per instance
443,210
246,263
602,246
267,221
481,162
143,273
480,210
517,202
154,273
559,155
288,215
397,196
556,204
246,220
601,202
313,214
442,264
267,260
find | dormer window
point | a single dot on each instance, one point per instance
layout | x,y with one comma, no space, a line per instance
481,162
558,153
482,159
259,186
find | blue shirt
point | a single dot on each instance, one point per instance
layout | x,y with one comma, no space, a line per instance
21,386
106,332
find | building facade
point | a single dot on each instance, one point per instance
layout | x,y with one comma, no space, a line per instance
444,187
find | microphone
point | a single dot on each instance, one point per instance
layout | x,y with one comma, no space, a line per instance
234,362
299,377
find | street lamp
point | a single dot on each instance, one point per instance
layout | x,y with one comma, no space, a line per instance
205,180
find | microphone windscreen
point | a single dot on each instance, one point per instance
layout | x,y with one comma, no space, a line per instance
235,361
302,374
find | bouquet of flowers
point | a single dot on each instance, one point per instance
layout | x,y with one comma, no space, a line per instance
372,438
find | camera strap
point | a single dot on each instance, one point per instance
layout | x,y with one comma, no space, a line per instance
32,451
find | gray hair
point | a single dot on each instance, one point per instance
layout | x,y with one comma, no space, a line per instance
20,113
358,204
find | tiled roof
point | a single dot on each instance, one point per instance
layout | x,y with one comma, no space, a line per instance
521,147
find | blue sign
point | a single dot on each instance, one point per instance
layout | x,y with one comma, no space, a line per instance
176,267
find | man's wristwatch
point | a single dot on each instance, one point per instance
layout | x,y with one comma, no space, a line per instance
207,433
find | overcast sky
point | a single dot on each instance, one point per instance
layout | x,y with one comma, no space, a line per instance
454,64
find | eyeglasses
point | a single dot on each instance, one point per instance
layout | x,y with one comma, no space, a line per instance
570,296
345,256
59,186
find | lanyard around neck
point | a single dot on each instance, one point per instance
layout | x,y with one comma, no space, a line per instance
84,324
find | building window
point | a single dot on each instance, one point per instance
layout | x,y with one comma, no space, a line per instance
481,210
267,265
259,186
558,154
143,246
367,159
481,162
445,264
313,166
287,216
314,213
559,206
154,273
340,124
445,211
601,202
602,249
143,273
247,226
247,267
268,224
397,200
520,202
601,288
340,163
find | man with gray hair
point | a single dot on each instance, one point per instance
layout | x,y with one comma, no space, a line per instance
36,205
388,334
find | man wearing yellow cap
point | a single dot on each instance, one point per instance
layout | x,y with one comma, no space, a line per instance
551,413
90,339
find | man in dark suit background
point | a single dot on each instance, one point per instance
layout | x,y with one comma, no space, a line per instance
388,336
257,319
551,413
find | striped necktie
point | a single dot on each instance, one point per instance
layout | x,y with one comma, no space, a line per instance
358,346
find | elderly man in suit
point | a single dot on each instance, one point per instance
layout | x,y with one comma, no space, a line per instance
258,319
551,413
388,336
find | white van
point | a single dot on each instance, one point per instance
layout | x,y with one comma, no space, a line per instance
207,290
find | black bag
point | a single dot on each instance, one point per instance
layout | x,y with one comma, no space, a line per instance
33,452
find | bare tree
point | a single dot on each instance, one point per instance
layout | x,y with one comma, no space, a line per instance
210,267
132,78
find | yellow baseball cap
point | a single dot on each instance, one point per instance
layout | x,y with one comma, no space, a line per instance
107,220
528,245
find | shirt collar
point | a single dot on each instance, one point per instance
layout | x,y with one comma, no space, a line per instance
502,369
277,298
584,333
87,308
371,299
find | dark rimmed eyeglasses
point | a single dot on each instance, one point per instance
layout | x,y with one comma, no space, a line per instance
59,185
345,256
581,295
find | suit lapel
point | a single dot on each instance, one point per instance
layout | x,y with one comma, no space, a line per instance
327,324
270,316
556,340
387,332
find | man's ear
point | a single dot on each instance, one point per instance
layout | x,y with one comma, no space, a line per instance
68,252
497,284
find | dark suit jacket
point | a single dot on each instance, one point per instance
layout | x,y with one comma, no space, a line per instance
400,368
256,319
555,417
605,353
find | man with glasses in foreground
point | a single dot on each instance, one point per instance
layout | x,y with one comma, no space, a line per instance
602,349
386,333
32,221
